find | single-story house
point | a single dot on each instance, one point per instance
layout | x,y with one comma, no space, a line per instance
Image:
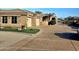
18,18
22,19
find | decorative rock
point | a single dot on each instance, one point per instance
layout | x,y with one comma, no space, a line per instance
25,28
19,29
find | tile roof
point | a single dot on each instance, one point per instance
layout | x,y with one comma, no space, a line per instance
12,12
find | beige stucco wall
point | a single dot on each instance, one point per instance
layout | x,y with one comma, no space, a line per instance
45,23
29,22
37,22
56,19
9,23
21,21
33,21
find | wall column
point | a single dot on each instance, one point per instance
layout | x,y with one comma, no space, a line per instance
56,20
9,20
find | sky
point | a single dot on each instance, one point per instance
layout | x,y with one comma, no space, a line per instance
60,12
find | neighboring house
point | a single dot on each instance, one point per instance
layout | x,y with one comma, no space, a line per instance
20,18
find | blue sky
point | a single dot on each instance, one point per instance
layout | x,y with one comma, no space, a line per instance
60,12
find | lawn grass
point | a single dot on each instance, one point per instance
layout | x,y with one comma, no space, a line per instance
28,30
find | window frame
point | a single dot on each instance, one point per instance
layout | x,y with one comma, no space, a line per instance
14,19
4,20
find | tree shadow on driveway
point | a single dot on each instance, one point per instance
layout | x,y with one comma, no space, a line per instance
69,36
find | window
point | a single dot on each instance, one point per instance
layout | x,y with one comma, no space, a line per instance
14,19
4,19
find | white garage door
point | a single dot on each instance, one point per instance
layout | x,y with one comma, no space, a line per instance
29,22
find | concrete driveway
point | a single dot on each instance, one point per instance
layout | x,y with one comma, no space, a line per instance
9,38
51,38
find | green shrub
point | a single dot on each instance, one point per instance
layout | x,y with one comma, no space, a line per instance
28,30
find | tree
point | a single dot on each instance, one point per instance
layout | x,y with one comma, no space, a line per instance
72,19
38,12
60,19
51,14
